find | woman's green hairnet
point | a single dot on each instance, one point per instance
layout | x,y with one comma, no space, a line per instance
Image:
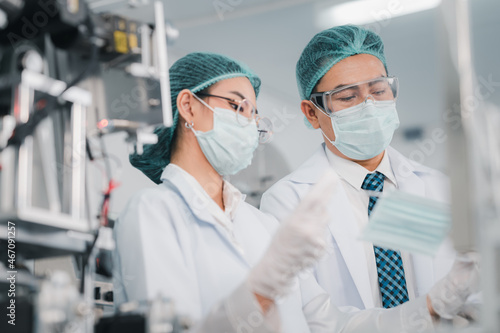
331,46
196,72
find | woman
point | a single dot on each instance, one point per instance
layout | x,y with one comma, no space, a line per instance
194,240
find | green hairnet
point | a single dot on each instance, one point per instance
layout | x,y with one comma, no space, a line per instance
196,72
331,46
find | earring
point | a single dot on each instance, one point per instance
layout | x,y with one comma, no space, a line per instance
189,126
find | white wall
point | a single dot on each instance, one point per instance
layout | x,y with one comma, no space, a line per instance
270,42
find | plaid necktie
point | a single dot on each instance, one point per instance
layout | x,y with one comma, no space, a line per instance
391,274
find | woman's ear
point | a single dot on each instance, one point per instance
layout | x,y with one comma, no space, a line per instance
309,111
184,105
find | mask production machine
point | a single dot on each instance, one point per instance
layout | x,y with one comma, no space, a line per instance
57,60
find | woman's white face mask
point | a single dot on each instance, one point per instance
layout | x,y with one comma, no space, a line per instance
229,146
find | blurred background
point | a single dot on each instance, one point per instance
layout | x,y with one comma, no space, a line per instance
59,165
269,35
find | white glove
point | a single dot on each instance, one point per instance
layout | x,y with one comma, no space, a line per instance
449,294
470,312
297,244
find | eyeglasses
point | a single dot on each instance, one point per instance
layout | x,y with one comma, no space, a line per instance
380,89
246,113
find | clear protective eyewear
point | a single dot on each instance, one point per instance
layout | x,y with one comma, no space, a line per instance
380,89
245,113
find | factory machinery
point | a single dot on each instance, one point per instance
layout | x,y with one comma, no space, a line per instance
57,59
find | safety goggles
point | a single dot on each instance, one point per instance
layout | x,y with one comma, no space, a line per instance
379,89
245,113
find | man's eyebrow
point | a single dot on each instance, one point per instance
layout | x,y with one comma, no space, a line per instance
339,86
375,82
345,85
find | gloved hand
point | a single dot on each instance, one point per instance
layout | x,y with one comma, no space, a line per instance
297,244
470,311
449,294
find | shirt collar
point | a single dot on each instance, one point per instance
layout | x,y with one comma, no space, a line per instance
385,168
230,194
354,173
232,197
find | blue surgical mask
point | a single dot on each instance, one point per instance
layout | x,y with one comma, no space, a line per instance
404,221
365,130
229,146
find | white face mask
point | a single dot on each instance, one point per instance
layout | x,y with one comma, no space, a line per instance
229,146
403,221
365,130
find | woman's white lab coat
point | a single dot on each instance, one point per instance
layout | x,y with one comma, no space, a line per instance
168,243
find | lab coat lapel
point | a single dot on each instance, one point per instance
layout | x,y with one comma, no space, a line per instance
173,178
405,173
345,231
342,226
196,206
407,177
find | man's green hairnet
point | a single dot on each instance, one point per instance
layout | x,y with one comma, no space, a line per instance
331,46
196,72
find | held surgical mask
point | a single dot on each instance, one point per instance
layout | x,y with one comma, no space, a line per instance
365,130
403,221
229,146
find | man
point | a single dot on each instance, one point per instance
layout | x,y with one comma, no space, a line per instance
347,94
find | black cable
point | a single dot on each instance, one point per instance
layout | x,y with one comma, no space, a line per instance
85,260
75,81
106,197
89,151
88,251
117,161
92,63
24,130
